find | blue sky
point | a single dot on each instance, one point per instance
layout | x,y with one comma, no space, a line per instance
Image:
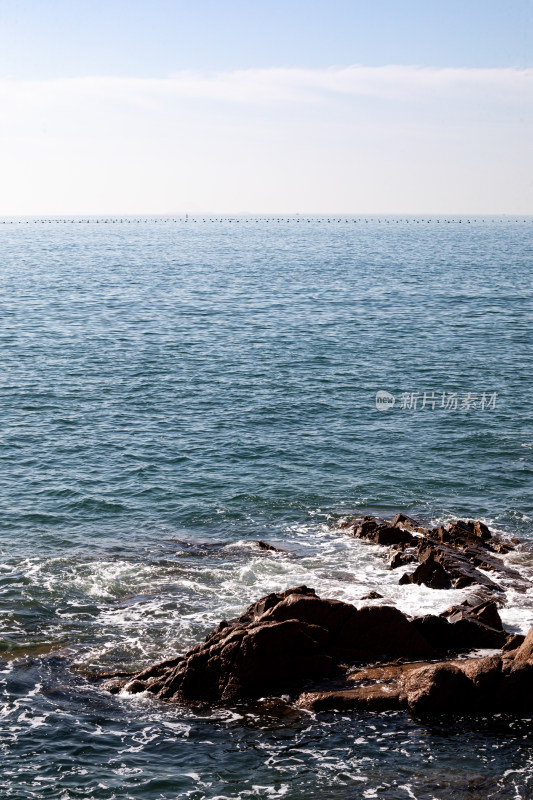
231,106
60,38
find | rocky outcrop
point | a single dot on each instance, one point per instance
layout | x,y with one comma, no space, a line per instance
279,643
486,612
286,640
294,640
431,573
456,555
462,634
493,684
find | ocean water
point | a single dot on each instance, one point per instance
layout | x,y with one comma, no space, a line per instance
173,391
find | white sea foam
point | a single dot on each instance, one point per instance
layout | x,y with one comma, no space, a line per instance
136,611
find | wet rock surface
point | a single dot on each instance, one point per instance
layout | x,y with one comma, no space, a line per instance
280,642
452,556
485,685
330,655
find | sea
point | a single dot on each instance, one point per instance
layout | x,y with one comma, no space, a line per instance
174,390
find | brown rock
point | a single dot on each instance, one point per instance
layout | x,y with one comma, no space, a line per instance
462,548
408,522
500,546
388,534
372,631
439,689
481,530
486,612
514,640
457,563
390,672
383,632
269,547
379,532
462,531
280,642
476,685
463,634
525,651
486,675
400,559
431,573
364,527
516,691
260,606
378,697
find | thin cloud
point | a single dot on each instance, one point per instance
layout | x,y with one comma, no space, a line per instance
392,138
280,84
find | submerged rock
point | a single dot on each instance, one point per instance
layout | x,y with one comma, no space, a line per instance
269,547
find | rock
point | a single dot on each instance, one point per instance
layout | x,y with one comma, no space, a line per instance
388,534
493,684
262,605
390,672
458,564
463,634
250,662
269,547
484,685
476,685
486,612
481,530
372,596
383,632
436,631
286,640
525,651
514,640
280,642
380,532
375,688
516,687
462,531
408,522
431,573
378,697
500,546
486,675
439,689
370,632
469,634
401,559
364,527
463,549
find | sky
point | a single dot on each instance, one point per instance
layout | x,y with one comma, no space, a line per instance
224,106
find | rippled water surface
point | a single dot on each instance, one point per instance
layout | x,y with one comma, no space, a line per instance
172,392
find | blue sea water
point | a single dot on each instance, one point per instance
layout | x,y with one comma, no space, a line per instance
173,391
